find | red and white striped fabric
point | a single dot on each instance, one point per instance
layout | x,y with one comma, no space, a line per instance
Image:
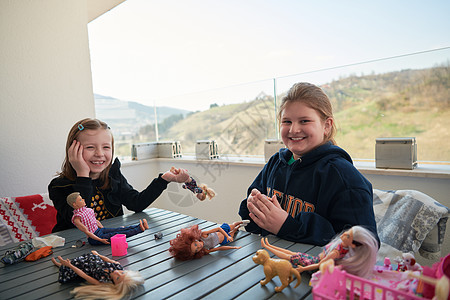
23,218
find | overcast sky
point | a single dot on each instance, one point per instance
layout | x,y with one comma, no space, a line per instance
191,53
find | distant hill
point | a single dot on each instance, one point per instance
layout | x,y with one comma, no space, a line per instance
127,117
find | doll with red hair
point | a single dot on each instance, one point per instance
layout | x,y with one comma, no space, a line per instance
193,243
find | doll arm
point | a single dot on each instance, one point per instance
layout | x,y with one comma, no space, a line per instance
67,263
100,225
280,252
83,228
221,248
104,258
220,230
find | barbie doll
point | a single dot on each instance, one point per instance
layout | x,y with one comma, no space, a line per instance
201,191
105,277
193,243
355,249
84,219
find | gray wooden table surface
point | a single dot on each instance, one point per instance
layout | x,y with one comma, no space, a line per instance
230,274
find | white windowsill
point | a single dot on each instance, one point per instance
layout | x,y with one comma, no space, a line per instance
424,170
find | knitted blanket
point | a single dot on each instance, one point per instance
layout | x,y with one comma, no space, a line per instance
409,221
23,218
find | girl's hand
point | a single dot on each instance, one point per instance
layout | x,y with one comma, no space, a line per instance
252,198
75,154
266,212
176,175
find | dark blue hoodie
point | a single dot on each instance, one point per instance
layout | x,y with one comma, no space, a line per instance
323,193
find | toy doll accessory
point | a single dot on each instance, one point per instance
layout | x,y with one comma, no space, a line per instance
119,245
158,235
78,244
17,254
80,127
40,253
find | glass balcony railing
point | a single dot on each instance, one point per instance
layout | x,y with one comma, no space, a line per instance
402,96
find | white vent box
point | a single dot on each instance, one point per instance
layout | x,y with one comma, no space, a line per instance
396,153
206,149
149,150
144,151
169,149
272,146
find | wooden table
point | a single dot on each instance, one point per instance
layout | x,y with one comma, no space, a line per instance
220,275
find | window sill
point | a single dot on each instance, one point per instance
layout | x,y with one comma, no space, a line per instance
423,169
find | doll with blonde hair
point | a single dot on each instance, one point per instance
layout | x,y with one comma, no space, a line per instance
201,190
105,277
193,243
355,250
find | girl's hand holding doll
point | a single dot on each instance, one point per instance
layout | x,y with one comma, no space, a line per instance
75,154
266,212
176,175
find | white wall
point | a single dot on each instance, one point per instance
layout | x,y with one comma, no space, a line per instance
45,87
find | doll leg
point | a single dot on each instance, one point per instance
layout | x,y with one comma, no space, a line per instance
234,228
276,250
143,224
107,233
144,221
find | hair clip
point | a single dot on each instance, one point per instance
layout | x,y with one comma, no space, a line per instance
80,127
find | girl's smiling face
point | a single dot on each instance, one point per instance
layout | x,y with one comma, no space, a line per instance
97,150
302,129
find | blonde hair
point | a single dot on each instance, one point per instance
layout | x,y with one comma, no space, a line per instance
86,124
315,98
361,259
130,283
72,198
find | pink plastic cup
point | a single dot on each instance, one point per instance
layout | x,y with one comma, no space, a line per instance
119,245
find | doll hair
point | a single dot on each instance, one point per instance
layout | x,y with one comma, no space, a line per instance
210,193
180,247
361,259
314,97
86,124
72,198
131,281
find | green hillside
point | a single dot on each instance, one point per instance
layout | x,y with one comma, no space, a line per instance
398,104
